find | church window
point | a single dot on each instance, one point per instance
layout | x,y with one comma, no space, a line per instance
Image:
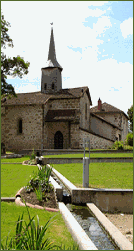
20,126
86,111
45,86
53,86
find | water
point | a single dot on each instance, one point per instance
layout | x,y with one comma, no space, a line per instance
86,220
91,227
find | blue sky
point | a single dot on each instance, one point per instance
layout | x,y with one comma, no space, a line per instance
94,45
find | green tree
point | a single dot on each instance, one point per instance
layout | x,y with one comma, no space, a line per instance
15,66
130,116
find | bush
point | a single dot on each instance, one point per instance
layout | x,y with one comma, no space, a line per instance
118,145
129,139
32,155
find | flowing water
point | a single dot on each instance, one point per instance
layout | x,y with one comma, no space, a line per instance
87,221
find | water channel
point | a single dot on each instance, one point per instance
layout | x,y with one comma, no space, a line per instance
87,221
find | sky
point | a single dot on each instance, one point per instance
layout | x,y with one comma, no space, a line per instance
93,42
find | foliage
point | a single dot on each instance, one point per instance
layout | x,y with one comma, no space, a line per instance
39,182
39,193
130,116
118,145
29,236
32,155
15,66
129,139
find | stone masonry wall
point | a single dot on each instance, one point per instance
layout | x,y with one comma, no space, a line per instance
102,128
84,122
96,142
31,127
64,104
50,128
75,136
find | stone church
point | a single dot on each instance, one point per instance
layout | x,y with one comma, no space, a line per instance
56,118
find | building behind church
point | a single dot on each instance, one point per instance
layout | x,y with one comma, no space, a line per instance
59,118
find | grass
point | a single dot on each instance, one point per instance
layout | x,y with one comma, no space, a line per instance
92,155
101,175
13,177
57,231
15,160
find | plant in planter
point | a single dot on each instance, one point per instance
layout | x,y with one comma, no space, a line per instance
40,183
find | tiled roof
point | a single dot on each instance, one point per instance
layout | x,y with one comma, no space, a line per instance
54,115
106,108
41,98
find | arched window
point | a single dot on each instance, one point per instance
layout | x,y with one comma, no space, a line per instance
20,126
45,86
53,86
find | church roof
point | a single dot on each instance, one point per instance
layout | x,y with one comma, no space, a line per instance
42,98
107,108
52,61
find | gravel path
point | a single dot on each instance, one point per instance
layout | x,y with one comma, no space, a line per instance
124,222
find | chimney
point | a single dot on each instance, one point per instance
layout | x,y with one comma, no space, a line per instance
99,105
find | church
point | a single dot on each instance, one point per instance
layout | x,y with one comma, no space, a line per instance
56,118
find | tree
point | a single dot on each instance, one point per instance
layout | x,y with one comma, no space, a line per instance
130,116
15,66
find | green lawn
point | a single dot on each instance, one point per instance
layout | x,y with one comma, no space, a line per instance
57,231
101,175
15,160
13,177
92,155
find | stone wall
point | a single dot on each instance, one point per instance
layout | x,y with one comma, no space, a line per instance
102,128
50,128
84,120
64,104
124,126
31,135
120,120
96,142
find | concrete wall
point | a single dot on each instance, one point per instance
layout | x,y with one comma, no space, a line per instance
30,137
107,200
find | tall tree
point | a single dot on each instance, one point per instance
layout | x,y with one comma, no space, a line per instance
15,66
130,116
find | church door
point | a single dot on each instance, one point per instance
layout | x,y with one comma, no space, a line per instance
58,140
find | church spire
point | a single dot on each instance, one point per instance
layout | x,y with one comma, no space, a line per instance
52,61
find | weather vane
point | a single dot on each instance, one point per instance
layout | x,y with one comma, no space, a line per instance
51,23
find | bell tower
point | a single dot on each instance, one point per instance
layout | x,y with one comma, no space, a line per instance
51,80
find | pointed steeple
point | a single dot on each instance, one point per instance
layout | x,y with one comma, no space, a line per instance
52,61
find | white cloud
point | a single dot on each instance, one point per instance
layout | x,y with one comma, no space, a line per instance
96,13
127,27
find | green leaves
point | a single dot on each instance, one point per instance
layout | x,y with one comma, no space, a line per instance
29,236
130,116
15,66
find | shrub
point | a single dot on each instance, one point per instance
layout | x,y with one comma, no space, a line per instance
32,155
129,139
118,145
